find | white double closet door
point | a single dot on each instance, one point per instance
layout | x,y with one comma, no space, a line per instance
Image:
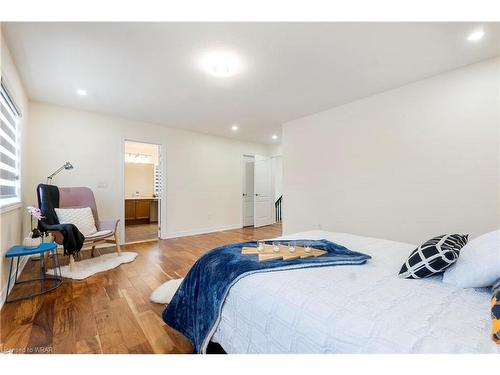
258,197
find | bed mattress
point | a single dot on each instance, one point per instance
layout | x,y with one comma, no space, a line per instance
354,309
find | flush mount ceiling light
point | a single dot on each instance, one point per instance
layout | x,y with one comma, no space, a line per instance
221,64
475,36
274,136
81,92
234,128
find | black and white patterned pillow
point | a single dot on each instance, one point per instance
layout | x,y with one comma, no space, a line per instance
433,257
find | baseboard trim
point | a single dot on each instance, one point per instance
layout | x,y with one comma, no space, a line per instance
4,293
140,241
196,232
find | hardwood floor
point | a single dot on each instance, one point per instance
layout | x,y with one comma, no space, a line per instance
141,232
110,312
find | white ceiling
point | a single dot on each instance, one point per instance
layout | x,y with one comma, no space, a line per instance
151,72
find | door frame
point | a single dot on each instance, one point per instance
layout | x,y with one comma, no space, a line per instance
162,212
243,171
243,187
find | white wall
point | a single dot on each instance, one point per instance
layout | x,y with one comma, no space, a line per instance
277,149
407,164
11,222
278,176
139,177
203,173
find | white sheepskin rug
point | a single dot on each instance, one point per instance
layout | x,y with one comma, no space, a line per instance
88,267
165,292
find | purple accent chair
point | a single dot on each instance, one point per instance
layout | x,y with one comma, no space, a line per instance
77,197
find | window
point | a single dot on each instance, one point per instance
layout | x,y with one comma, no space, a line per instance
9,149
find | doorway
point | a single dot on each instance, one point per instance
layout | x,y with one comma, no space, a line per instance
142,186
258,206
248,192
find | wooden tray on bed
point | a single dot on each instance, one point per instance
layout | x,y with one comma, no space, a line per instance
268,254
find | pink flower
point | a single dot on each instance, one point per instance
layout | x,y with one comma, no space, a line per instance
35,212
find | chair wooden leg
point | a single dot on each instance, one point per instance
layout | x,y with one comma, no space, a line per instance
92,251
118,249
46,260
71,263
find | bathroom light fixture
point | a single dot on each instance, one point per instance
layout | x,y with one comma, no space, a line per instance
81,92
234,128
476,36
274,136
221,64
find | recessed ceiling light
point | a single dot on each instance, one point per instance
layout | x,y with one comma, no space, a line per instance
475,36
221,64
274,136
234,127
81,92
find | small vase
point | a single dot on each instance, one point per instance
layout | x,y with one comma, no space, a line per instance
31,243
49,238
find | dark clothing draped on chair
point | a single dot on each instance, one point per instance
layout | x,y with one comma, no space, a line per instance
48,200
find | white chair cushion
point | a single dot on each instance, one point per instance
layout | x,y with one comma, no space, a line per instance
82,218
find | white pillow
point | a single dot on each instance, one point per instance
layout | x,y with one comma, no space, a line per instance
478,264
82,218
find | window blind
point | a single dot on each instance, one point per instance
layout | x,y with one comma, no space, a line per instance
9,149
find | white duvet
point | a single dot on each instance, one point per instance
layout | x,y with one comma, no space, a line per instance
354,309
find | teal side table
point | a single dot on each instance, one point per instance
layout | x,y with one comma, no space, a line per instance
20,251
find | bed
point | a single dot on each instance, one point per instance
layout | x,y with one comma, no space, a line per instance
353,309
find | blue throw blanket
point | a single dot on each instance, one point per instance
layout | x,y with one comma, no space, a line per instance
195,308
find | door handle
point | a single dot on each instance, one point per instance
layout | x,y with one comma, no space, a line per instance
244,195
256,195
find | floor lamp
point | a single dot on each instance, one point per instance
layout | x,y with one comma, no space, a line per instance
66,165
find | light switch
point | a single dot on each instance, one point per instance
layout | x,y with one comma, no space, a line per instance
102,185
